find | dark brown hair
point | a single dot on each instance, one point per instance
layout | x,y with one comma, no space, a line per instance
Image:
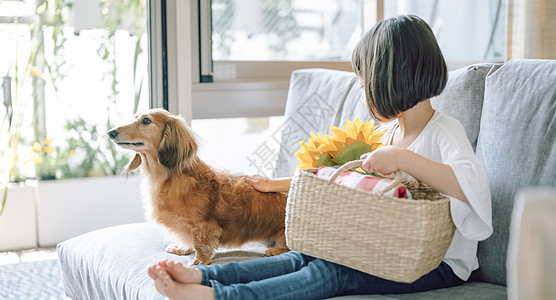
399,64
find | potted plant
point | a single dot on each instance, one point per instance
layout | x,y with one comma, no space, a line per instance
88,192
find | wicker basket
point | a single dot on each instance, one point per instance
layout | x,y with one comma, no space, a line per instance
392,238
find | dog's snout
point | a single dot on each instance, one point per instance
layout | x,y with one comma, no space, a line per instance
113,133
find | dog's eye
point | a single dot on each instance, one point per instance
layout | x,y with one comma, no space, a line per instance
146,121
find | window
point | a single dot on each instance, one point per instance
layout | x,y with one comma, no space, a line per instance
71,70
308,30
468,31
317,30
291,34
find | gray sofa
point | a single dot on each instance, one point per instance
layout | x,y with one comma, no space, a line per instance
508,110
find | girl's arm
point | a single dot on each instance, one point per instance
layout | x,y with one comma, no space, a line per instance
439,176
265,184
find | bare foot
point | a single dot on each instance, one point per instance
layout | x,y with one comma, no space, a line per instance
177,290
181,273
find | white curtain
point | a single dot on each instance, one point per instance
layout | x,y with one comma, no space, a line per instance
532,29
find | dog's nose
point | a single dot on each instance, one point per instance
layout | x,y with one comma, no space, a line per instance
113,133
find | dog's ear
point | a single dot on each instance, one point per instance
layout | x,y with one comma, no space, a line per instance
178,144
133,164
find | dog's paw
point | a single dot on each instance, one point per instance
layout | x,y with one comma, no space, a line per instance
179,250
275,251
196,261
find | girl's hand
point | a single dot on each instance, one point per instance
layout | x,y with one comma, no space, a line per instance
384,160
259,182
265,184
387,159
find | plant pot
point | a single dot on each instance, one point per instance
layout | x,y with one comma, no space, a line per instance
48,177
70,207
18,226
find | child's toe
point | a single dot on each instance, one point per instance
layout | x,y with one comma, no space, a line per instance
152,273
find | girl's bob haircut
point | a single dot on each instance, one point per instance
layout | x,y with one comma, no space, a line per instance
399,64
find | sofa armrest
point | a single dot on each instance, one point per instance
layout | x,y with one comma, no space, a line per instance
531,264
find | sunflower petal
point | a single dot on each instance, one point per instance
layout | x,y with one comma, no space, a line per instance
339,145
302,156
350,128
337,133
350,140
304,165
327,147
358,123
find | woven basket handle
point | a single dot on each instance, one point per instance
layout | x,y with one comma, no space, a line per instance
358,163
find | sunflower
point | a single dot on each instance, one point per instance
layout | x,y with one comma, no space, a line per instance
309,155
343,145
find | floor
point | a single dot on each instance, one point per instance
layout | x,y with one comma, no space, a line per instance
30,274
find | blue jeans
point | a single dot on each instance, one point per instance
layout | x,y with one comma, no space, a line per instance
294,275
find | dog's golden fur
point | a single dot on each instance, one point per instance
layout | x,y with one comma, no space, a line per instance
203,207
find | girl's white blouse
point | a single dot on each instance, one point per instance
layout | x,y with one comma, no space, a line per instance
444,140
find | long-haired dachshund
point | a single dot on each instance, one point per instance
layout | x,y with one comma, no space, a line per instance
203,207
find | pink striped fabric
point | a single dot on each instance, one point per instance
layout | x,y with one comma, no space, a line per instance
362,182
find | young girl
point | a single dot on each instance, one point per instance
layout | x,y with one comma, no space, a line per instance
400,67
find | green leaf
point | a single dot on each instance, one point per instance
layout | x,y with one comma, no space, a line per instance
325,160
353,152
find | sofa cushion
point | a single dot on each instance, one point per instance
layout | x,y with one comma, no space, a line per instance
468,291
517,144
111,263
462,98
